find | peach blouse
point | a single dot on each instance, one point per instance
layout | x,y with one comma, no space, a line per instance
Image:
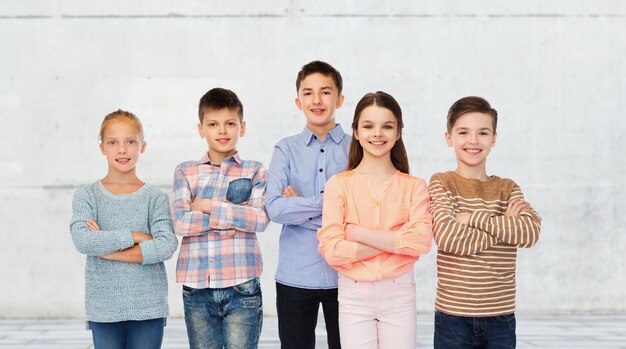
402,210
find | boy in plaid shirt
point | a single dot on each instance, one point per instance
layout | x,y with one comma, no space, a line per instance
217,208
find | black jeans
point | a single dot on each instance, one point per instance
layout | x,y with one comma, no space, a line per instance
297,316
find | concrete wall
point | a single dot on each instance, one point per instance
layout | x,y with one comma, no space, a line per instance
555,71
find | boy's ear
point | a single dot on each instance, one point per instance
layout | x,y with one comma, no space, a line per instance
200,131
448,139
493,144
143,146
242,131
101,148
339,101
298,103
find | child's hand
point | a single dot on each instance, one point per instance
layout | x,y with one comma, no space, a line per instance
140,237
290,192
463,218
351,232
202,205
92,225
515,207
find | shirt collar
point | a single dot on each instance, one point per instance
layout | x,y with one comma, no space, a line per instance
336,134
205,159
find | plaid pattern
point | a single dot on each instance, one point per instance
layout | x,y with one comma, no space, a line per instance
218,250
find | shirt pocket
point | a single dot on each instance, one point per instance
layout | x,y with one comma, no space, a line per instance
239,191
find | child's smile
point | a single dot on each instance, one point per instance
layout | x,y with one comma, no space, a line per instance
472,138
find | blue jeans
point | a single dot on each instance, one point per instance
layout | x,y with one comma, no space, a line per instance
219,318
456,332
147,334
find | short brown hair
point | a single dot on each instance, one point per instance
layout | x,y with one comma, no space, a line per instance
322,68
218,99
471,104
121,114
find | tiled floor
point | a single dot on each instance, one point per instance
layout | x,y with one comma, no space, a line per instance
563,332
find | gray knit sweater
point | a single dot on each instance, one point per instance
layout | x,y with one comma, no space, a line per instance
120,291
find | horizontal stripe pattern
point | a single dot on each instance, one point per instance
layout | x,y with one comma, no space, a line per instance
476,262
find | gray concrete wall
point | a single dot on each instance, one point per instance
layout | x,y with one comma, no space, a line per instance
555,71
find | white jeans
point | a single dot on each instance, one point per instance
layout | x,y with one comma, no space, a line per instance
377,314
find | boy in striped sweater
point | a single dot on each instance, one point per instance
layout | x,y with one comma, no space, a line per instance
479,223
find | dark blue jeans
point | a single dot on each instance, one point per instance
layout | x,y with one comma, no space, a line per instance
147,334
456,332
219,318
297,310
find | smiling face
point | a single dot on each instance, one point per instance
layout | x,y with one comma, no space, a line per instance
221,129
318,97
122,144
377,131
472,138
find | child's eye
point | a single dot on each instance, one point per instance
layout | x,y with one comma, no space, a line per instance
389,127
462,132
111,142
232,124
211,124
132,141
326,92
307,93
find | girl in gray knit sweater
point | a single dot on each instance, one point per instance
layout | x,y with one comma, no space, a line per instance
123,227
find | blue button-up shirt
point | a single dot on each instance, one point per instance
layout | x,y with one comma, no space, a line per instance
305,163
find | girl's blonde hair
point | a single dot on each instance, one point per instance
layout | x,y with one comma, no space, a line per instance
121,114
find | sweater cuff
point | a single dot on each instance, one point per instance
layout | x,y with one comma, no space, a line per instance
148,252
126,239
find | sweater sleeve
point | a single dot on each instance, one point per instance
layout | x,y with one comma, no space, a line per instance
97,242
414,238
164,242
333,246
450,236
521,231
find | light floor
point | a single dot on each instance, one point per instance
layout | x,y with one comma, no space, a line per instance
533,331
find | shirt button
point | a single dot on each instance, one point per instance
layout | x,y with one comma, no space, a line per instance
321,150
321,170
321,192
310,218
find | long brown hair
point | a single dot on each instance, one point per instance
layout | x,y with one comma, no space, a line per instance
399,158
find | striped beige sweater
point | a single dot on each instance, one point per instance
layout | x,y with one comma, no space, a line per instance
476,262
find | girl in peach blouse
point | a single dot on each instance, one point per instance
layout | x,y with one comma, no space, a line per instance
375,225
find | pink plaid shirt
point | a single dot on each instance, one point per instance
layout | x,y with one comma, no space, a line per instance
218,250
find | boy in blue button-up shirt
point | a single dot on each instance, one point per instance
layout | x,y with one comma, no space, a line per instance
300,166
